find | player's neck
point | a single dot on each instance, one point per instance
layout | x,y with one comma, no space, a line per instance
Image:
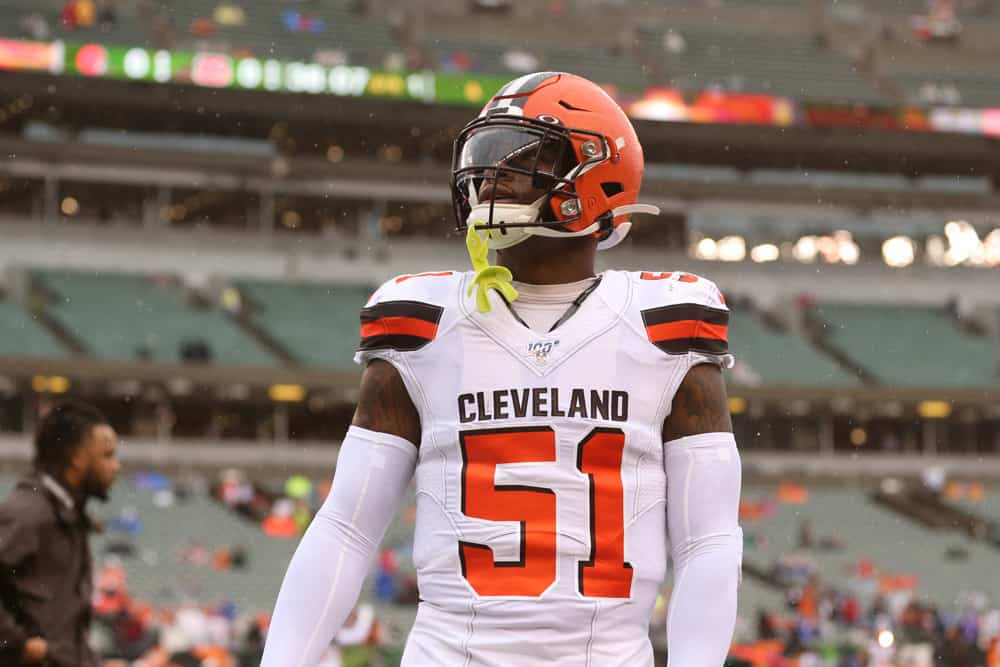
552,265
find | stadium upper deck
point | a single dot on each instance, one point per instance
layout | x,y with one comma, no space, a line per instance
878,53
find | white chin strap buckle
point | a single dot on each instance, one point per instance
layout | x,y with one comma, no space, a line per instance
503,214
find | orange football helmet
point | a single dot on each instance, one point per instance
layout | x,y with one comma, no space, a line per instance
576,145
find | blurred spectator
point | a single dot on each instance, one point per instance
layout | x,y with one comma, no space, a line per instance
807,539
44,531
517,60
456,61
78,14
674,42
490,6
34,26
939,24
229,14
203,28
296,21
107,16
330,57
281,521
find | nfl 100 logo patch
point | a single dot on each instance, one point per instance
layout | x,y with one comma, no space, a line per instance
540,350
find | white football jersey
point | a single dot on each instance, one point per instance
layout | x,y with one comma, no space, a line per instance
541,494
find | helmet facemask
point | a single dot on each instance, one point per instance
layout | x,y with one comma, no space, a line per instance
515,177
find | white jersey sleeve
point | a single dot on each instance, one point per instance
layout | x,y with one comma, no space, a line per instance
685,315
403,319
404,315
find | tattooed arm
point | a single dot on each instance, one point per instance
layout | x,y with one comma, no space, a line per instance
384,405
374,467
700,405
703,493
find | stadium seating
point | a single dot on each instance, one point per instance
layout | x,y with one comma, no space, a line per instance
790,66
779,357
600,65
481,55
910,345
692,172
265,30
158,575
830,179
820,179
129,317
316,323
975,89
965,184
894,544
21,335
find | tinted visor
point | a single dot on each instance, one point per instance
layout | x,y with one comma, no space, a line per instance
521,148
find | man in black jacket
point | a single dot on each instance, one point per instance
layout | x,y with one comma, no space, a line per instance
45,563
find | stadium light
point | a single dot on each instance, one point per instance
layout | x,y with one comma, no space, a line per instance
732,249
291,219
934,409
334,153
805,249
287,393
70,206
964,245
848,251
991,248
707,249
898,251
765,252
53,384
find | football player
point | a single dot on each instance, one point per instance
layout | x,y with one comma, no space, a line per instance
555,420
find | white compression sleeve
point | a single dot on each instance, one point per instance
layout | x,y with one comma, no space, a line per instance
325,575
703,497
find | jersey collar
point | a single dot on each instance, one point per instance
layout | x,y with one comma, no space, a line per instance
542,353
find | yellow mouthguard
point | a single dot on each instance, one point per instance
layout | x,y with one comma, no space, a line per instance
487,276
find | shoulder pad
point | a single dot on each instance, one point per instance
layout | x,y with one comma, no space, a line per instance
404,313
683,313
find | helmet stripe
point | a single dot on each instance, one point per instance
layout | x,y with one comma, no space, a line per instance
504,98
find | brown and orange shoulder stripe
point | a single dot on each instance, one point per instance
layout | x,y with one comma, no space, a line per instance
688,327
399,325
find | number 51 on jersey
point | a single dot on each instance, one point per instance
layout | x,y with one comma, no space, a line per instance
598,456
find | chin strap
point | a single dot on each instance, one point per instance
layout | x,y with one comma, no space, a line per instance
487,276
619,233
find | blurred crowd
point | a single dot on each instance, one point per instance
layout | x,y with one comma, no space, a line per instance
130,631
824,626
871,618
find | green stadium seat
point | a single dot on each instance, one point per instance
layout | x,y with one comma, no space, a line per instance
22,335
693,172
893,543
911,345
316,323
130,317
779,357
